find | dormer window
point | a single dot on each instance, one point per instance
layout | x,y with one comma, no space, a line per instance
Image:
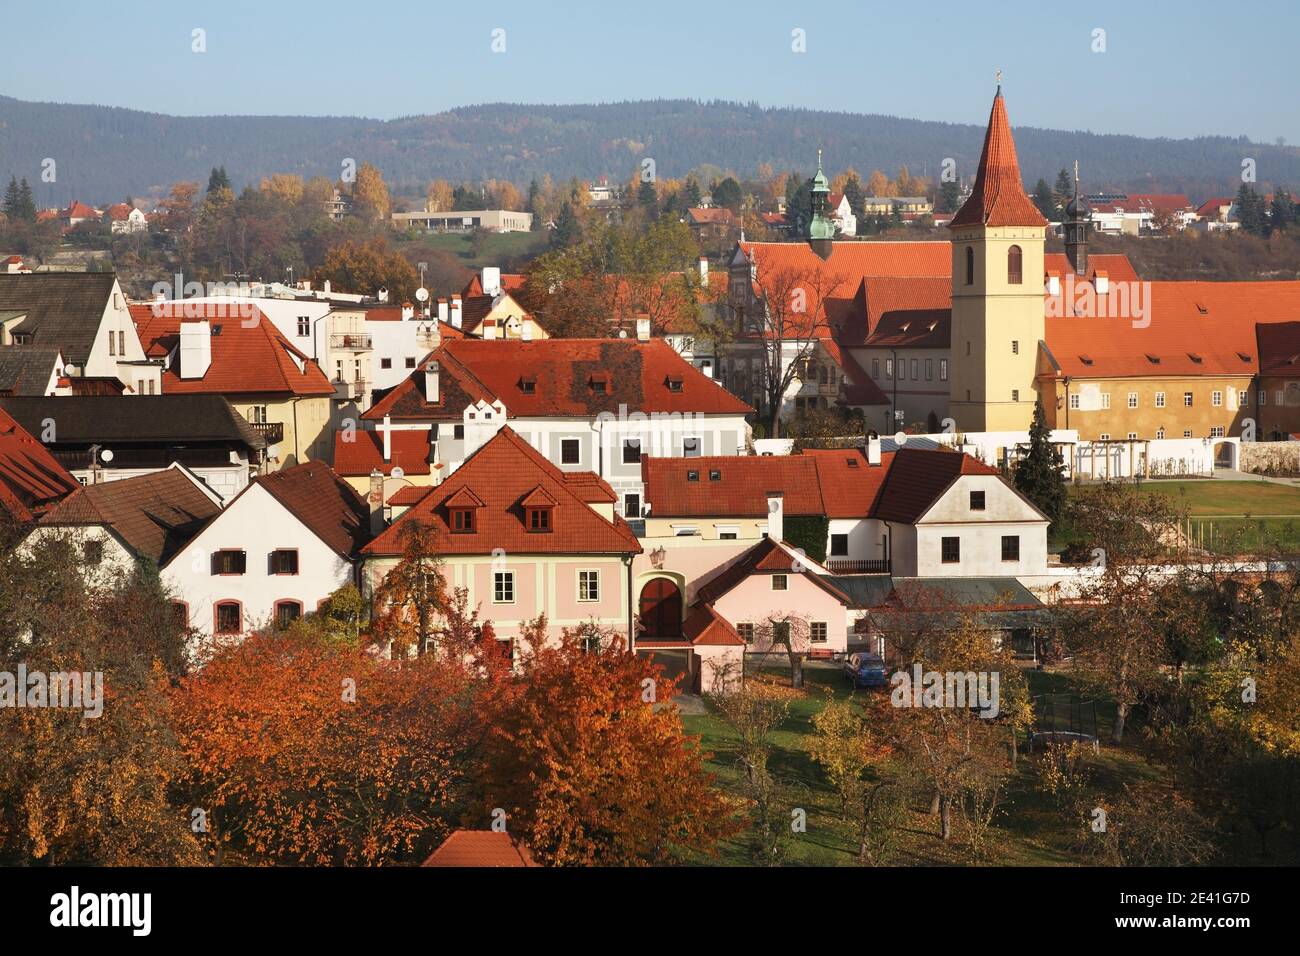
462,520
539,519
462,509
598,384
538,506
692,475
674,384
528,385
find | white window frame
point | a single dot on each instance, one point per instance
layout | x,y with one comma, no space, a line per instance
1132,399
1216,399
1160,399
1105,399
1074,400
593,596
501,582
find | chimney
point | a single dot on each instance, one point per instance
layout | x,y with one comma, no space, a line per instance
776,515
388,438
160,297
643,330
381,295
491,280
196,349
525,331
455,311
375,499
1101,281
431,382
442,310
704,272
326,287
408,311
873,449
489,329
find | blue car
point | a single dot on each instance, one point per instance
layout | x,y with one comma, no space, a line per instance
866,670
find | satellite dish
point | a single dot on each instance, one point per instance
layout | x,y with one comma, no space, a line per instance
622,333
422,294
106,455
900,438
397,472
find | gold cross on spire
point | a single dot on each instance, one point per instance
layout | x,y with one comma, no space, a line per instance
999,79
1076,170
819,157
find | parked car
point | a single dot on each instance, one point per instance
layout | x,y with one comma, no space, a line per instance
866,670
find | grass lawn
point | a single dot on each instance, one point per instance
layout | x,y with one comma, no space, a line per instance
495,248
1033,831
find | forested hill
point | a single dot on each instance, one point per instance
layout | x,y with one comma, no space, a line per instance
105,153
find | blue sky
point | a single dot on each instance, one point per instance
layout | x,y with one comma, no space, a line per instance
1169,69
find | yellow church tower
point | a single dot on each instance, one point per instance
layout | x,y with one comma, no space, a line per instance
997,291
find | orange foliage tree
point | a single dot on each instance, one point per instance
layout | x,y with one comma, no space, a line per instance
591,763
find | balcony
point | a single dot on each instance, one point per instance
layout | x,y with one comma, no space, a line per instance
847,566
350,341
347,391
273,432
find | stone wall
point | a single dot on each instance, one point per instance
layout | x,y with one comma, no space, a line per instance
1270,457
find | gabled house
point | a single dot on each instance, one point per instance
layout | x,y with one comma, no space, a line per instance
585,404
33,370
206,350
120,525
124,219
108,438
31,480
523,538
487,309
84,315
281,547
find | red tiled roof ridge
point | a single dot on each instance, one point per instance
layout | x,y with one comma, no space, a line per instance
998,197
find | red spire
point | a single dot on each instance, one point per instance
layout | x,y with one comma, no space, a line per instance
998,198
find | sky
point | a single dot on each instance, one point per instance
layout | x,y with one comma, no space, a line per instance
1176,68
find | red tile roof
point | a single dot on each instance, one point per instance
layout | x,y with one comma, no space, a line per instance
916,479
78,210
500,475
408,496
998,197
510,282
31,480
481,848
564,373
1115,265
705,627
365,453
1211,207
849,262
249,354
1279,348
715,216
1195,328
324,502
154,514
118,212
766,557
1147,202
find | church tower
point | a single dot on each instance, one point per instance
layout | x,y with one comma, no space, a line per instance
1078,215
997,291
821,231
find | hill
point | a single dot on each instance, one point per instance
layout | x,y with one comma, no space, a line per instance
104,153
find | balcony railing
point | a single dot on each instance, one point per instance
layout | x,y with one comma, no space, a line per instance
869,566
344,390
273,432
355,341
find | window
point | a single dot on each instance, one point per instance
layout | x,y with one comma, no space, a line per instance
1216,431
889,368
1074,400
284,561
1105,399
1015,266
92,552
1263,397
1132,436
1277,397
1011,547
929,370
631,451
570,451
304,326
1104,436
817,632
1187,399
746,632
915,369
692,475
257,414
286,612
121,343
1015,346
229,561
1243,397
730,534
875,368
970,266
691,447
902,369
1132,399
943,370
112,345
1160,399
715,474
462,520
950,550
674,384
1015,394
528,386
780,582
385,363
503,587
458,432
1187,433
839,545
977,501
1160,433
539,519
410,362
1216,399
588,585
229,617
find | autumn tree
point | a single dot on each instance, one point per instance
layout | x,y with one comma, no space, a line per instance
365,265
754,712
412,598
284,187
590,760
370,200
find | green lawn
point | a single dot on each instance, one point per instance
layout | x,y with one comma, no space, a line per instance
1034,831
495,248
1214,497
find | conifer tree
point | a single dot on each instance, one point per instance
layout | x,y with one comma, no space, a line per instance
1039,475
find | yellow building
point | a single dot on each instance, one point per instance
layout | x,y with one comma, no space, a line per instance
997,292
